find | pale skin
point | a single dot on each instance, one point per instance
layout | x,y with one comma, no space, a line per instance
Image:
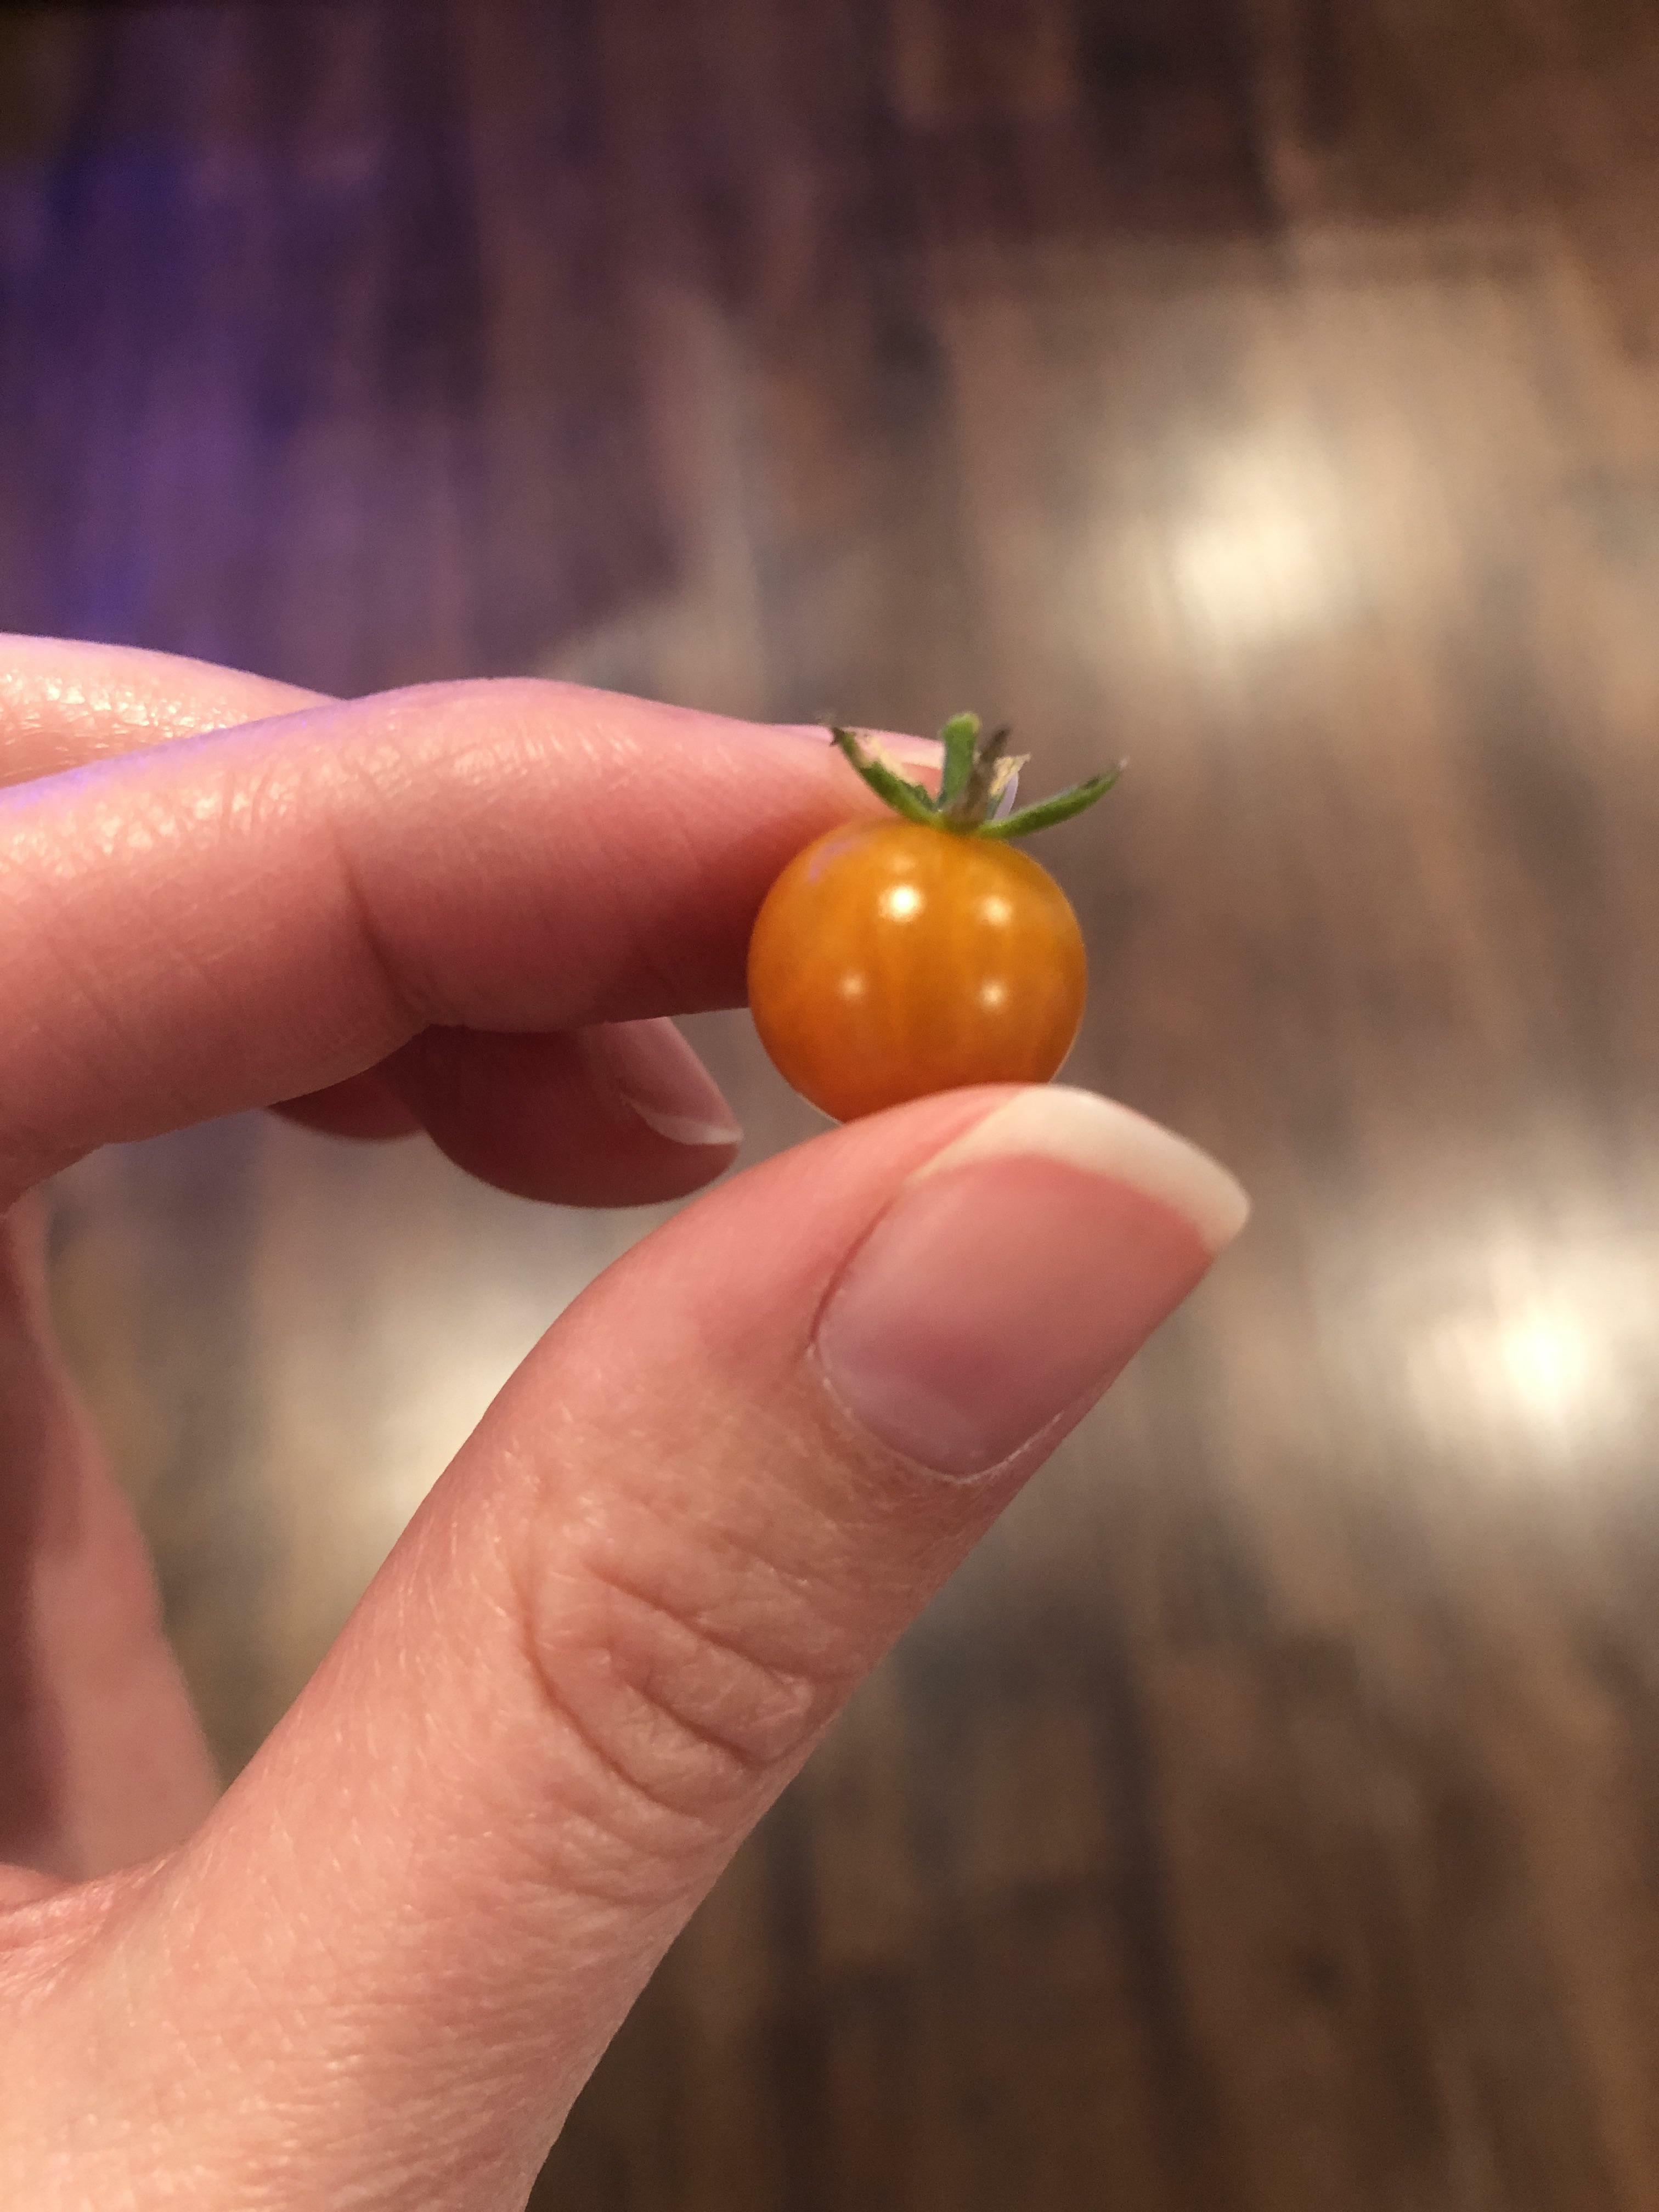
376,1971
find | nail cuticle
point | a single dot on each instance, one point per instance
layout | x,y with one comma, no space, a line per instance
1010,1469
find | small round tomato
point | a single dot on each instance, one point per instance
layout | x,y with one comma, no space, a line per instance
893,958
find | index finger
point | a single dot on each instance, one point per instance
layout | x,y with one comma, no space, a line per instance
225,921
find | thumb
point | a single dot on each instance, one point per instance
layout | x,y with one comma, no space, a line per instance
699,1513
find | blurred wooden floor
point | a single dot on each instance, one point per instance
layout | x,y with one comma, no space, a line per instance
1268,1818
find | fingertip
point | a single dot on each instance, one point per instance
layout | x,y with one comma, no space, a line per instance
656,1074
602,1118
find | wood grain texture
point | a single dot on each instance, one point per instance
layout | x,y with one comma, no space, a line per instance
1268,1815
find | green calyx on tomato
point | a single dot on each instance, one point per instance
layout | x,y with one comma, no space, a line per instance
978,770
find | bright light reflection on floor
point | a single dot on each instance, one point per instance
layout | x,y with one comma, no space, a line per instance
1550,1362
1541,1366
1263,553
1553,1348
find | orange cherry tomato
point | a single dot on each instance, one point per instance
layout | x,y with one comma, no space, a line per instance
895,958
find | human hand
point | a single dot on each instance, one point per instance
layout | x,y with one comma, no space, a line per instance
377,1970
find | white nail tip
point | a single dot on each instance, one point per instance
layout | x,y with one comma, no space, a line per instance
683,1129
1102,1138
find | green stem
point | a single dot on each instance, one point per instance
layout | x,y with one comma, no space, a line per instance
977,768
905,798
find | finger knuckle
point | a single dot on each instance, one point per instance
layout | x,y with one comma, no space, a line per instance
691,1714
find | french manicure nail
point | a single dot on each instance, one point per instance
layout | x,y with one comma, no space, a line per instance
658,1075
1017,1272
913,752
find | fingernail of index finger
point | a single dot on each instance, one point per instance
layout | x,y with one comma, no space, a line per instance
913,752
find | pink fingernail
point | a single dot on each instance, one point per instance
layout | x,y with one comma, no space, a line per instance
1015,1274
657,1074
